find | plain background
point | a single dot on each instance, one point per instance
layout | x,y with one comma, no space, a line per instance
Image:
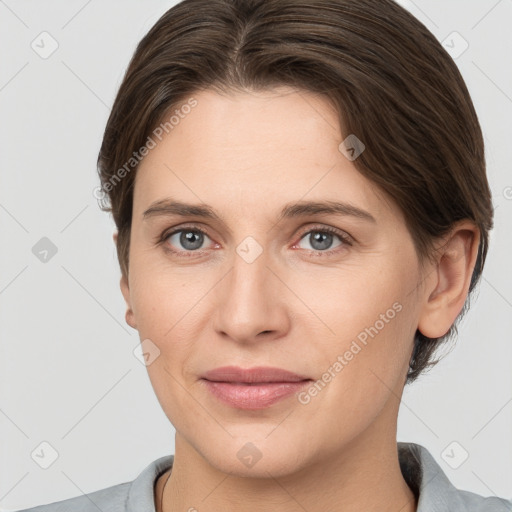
68,373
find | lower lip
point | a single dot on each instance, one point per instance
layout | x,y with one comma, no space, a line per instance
253,396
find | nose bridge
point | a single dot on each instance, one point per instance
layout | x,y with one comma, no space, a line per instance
247,303
250,273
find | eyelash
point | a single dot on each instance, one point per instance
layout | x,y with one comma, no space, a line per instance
344,238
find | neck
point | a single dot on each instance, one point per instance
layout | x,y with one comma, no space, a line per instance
364,476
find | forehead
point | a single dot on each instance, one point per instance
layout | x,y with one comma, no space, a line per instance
254,150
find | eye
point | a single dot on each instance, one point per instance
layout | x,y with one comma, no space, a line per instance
322,239
186,239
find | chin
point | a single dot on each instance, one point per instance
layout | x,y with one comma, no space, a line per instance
257,457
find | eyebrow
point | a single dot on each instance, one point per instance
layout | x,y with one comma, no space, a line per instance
168,207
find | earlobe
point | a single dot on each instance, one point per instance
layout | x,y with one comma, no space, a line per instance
125,290
450,279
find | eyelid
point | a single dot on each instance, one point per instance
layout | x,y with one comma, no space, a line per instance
319,228
172,231
182,227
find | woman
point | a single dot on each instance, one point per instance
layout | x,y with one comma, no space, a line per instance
302,211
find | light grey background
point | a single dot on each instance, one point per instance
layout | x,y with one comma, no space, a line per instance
68,375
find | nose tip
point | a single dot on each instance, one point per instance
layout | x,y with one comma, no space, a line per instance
248,307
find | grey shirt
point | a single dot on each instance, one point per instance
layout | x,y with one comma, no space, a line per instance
424,476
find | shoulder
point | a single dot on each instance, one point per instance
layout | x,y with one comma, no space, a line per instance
124,497
434,490
111,498
477,503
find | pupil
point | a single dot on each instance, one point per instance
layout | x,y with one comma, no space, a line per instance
321,240
187,238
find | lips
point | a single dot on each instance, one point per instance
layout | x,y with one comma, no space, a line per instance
257,374
252,388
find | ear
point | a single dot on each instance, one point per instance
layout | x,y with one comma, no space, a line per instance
449,280
125,290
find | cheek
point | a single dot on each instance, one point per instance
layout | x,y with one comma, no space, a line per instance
167,307
361,372
349,301
365,336
165,298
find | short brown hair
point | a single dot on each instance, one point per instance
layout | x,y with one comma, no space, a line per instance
393,84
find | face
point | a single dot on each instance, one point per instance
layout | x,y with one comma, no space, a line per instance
261,279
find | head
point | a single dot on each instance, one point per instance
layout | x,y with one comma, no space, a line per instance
255,123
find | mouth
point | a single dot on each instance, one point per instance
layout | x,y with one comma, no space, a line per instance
255,375
253,388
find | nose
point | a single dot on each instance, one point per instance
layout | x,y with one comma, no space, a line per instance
250,302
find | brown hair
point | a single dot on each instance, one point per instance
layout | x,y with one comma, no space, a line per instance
394,86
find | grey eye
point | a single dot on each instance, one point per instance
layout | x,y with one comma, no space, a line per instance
320,240
188,239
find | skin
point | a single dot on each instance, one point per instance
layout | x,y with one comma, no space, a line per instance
247,155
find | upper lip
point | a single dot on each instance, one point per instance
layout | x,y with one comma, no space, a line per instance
252,375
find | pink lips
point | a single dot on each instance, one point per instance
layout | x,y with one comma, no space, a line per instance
253,388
